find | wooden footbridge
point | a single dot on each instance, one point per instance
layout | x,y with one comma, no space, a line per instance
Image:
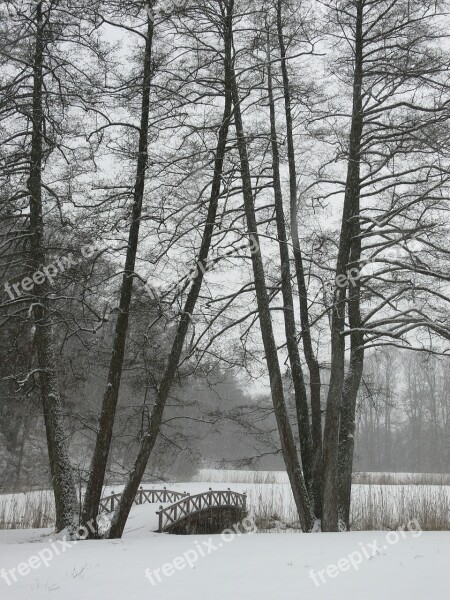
209,512
203,513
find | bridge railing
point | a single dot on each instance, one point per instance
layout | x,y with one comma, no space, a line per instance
109,503
188,505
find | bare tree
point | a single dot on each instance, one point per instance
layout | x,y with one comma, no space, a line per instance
152,431
301,401
109,404
293,467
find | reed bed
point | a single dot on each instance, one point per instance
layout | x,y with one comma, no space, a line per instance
30,510
270,501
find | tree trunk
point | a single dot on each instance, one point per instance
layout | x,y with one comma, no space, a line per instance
61,471
301,401
109,404
311,360
350,215
289,450
351,386
149,439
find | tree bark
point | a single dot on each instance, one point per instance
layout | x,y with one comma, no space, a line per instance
301,400
110,398
61,471
289,450
349,216
351,387
311,360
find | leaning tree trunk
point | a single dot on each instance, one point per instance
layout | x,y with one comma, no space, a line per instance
61,471
148,442
301,400
110,398
330,519
289,450
311,360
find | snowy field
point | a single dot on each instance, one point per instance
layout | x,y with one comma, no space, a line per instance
270,501
274,562
373,478
264,566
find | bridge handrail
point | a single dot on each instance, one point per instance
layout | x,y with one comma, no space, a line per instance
180,509
152,496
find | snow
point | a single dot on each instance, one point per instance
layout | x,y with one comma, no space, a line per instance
275,500
374,478
280,565
262,566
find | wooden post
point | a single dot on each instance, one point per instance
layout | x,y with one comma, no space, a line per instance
160,518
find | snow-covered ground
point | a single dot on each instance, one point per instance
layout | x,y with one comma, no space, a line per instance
372,478
409,564
264,566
